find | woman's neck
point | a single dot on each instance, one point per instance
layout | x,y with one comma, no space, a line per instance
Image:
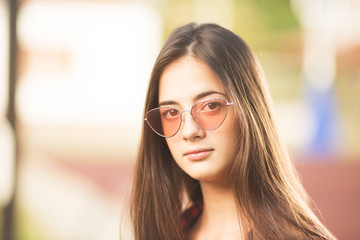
220,218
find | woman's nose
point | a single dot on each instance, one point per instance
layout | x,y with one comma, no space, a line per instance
190,130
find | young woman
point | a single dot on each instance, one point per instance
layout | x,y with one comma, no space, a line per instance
210,163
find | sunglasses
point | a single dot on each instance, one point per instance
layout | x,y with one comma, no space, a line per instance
208,114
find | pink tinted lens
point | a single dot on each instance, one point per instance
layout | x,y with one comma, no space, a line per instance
210,114
165,121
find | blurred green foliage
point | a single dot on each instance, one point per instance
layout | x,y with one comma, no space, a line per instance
276,15
26,228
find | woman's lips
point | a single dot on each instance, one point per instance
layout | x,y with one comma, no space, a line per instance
198,154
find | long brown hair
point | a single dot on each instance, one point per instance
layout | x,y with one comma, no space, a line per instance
267,190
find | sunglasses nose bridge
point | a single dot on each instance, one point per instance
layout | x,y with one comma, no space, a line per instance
182,116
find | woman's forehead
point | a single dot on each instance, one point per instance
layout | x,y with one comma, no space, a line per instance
186,78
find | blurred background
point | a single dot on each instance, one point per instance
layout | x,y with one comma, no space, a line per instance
73,77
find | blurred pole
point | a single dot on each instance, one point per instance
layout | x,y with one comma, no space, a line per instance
9,210
321,21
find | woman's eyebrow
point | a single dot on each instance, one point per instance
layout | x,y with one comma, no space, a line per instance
167,103
197,97
207,93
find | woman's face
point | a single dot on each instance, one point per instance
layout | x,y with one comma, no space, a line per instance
204,155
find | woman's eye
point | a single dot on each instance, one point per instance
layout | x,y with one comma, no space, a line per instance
171,113
212,106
